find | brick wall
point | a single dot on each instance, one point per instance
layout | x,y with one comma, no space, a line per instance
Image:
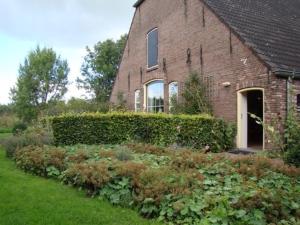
224,57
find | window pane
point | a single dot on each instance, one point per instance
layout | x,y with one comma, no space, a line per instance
137,99
298,101
155,97
153,48
173,94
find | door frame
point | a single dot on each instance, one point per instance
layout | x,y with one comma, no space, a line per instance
242,113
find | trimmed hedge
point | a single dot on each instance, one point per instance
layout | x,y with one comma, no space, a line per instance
158,129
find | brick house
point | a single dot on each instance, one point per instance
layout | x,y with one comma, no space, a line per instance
244,50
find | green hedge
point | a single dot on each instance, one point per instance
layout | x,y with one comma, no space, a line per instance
158,129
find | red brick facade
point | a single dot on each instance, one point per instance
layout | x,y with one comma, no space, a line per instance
192,25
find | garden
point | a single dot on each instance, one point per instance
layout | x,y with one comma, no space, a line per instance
174,169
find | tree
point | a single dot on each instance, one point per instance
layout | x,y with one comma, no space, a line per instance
42,78
100,67
195,100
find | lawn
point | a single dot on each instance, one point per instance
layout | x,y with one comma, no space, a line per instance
26,199
4,135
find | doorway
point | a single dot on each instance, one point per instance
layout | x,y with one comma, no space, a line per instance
250,133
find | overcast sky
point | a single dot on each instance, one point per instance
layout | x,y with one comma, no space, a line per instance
67,26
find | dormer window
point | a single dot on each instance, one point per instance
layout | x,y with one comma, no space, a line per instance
152,49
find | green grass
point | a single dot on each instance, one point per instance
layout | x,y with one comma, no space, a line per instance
5,130
4,135
30,200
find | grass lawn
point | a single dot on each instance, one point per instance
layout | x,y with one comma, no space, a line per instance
30,200
4,135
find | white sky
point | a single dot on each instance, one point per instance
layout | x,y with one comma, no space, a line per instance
67,26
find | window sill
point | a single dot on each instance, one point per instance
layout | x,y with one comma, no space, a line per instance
152,68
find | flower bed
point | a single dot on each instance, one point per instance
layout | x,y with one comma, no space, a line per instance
179,187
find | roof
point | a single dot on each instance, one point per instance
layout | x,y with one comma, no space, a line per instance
138,3
271,28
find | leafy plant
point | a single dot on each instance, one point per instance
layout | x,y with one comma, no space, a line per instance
123,154
118,192
292,132
272,130
158,129
35,136
179,187
19,128
195,97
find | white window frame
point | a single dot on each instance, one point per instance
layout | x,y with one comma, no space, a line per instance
155,66
146,93
137,101
177,94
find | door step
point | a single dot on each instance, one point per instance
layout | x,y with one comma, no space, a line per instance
243,151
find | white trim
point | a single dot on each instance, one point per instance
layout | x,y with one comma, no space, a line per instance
135,100
155,66
242,112
145,91
169,94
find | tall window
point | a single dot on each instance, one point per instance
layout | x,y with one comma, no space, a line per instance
152,48
155,97
173,94
137,100
298,102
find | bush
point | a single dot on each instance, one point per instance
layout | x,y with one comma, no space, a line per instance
158,129
33,136
292,155
91,176
195,95
19,128
8,120
41,161
191,188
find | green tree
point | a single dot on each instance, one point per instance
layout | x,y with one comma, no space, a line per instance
194,97
100,67
42,78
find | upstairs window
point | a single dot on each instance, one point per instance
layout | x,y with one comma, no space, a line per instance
152,48
155,97
137,100
173,95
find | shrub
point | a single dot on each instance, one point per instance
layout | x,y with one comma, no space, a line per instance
41,161
158,129
32,159
8,120
147,148
156,183
33,136
195,97
191,188
19,128
292,155
90,176
124,154
79,157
